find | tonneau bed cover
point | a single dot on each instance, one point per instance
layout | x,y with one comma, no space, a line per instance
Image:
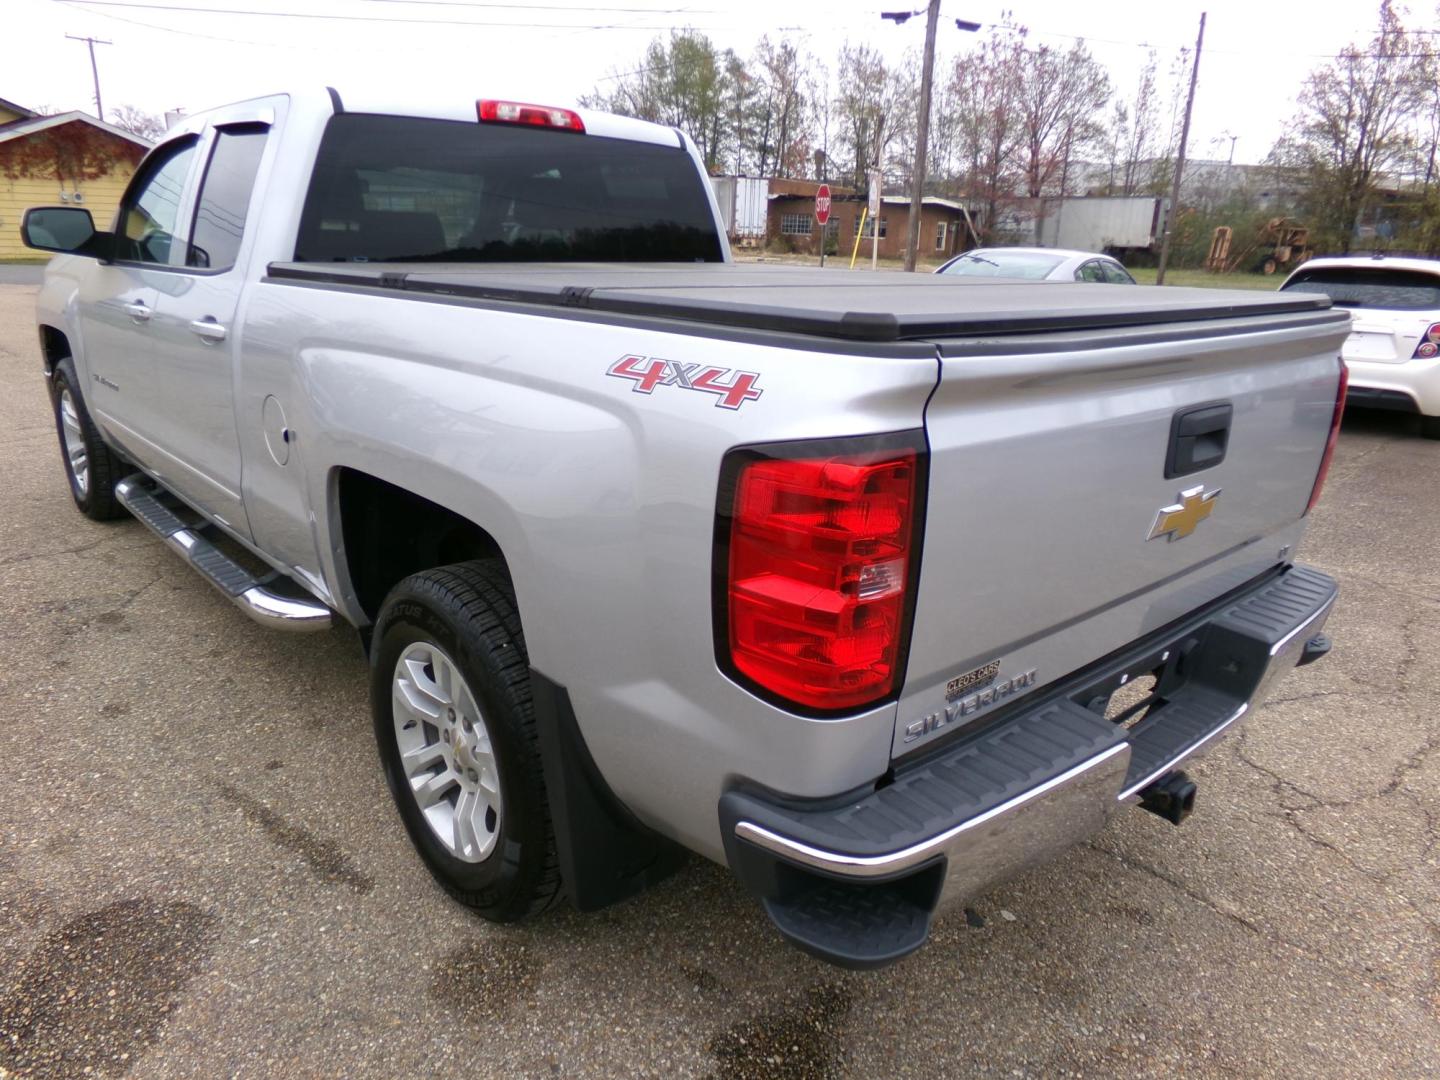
860,306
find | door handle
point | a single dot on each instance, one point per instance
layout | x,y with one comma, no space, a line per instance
1199,437
208,330
137,310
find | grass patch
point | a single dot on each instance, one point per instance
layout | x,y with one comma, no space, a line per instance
1203,279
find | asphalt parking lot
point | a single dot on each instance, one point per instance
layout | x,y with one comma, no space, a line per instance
201,873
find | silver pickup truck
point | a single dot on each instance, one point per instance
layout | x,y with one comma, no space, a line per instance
876,588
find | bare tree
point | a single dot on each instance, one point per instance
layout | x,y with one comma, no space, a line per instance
1059,96
819,122
781,70
864,110
138,122
684,82
1142,120
1357,119
984,94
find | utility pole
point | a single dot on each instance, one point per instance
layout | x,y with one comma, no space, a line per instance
922,125
94,70
922,137
1180,159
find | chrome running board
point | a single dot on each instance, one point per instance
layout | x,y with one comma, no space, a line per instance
247,592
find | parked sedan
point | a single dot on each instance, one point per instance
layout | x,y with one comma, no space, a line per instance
1393,350
1038,264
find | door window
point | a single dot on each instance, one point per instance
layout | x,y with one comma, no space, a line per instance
151,210
1116,274
1091,271
225,197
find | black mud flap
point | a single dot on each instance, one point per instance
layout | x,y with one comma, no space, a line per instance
605,853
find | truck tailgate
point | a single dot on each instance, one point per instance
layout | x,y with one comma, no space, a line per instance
1052,536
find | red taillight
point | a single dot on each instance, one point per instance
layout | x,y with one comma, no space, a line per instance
1330,442
517,112
821,551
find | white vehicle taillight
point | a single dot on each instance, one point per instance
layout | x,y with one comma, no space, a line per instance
1429,346
816,557
1334,435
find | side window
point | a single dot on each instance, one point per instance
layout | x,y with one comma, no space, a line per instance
151,210
1091,271
1116,274
225,197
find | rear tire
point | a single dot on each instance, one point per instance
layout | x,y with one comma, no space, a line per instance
1430,427
91,467
455,726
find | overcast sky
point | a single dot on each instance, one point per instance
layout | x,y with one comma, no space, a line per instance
1256,51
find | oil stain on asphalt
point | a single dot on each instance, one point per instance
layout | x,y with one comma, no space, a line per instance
94,994
800,1042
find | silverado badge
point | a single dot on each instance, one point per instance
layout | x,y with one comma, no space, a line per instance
1180,520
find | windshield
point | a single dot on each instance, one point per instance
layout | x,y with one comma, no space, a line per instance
1008,264
1370,287
401,189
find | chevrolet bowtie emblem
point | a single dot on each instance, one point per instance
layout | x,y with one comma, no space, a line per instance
1180,520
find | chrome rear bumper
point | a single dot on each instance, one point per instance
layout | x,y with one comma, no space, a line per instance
1036,780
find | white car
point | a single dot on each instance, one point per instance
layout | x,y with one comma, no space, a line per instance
1038,264
1393,350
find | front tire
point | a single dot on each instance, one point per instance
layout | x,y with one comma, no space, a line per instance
455,726
1430,427
91,467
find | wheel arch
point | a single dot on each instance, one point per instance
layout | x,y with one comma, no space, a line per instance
388,532
54,347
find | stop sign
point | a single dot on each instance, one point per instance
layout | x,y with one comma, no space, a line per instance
822,204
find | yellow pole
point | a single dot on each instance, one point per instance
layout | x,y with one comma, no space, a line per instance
859,232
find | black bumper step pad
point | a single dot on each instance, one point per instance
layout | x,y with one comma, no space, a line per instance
956,786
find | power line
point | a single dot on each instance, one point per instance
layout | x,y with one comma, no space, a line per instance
331,17
1157,47
550,7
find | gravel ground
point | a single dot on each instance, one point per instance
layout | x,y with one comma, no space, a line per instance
201,873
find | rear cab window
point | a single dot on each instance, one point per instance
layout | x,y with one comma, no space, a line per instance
404,189
1026,265
1379,287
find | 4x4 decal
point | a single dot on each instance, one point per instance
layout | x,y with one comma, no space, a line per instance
732,388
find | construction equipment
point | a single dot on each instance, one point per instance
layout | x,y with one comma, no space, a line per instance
1280,242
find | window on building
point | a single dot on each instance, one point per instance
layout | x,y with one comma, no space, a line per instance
870,226
795,224
832,229
940,231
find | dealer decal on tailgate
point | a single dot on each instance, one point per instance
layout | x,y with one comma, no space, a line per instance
732,388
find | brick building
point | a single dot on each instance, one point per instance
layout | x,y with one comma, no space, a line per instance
944,223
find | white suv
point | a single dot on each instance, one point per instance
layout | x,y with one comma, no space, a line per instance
1393,351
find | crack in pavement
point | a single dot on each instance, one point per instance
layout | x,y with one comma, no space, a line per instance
40,555
1264,934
